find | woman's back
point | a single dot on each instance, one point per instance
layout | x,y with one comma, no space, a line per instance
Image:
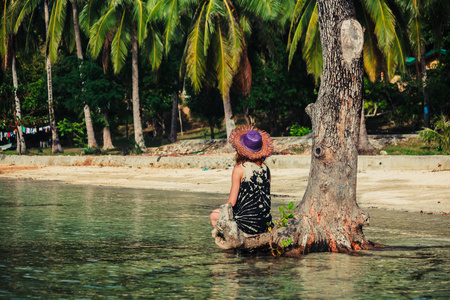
252,209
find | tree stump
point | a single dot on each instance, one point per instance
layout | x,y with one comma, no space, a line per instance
228,236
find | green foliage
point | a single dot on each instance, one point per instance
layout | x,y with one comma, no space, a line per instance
440,134
136,148
74,131
207,106
297,130
438,81
398,102
279,96
413,146
91,151
287,213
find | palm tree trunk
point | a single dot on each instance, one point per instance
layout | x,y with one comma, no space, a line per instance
92,142
107,142
364,145
56,144
426,99
138,133
173,125
229,122
21,146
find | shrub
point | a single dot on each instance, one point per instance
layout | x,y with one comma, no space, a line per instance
440,133
297,130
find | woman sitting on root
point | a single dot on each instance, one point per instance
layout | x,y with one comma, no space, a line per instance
250,181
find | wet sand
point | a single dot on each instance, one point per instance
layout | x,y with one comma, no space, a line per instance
413,191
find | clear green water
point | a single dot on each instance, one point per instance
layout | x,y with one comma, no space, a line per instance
77,242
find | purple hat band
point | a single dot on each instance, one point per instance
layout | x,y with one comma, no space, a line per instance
252,140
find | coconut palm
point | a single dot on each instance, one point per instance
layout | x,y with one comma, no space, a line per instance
125,24
216,49
56,26
19,10
8,52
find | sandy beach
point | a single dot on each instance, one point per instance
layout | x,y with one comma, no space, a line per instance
413,191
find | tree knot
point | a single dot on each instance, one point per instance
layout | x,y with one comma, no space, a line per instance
352,41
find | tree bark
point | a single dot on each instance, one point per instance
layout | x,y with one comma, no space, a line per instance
107,142
229,122
56,144
92,142
328,218
21,146
364,145
138,133
173,125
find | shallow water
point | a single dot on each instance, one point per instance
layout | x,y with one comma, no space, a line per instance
64,241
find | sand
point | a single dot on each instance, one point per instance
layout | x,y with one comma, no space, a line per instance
413,191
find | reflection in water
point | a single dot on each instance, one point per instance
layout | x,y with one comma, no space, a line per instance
59,240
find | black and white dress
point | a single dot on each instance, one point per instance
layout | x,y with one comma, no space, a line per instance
252,209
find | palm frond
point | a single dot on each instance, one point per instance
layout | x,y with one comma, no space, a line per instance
302,11
384,21
235,36
211,10
195,55
90,14
265,9
398,57
223,61
140,16
121,43
155,47
55,28
100,30
4,30
171,23
415,28
370,50
312,49
19,10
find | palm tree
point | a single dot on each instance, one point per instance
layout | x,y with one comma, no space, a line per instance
417,14
8,52
216,49
125,23
19,11
57,18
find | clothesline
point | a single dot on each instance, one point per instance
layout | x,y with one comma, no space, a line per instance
26,130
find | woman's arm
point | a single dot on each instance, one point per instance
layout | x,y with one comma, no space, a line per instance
236,178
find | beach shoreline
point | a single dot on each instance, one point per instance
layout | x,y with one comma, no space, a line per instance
425,191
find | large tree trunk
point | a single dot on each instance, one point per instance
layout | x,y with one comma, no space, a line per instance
56,144
173,125
328,217
138,133
107,141
229,122
92,142
21,146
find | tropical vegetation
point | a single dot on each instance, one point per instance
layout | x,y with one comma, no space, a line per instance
99,72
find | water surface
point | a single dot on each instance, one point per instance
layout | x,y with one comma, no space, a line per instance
64,241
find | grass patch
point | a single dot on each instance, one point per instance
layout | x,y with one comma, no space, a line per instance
414,146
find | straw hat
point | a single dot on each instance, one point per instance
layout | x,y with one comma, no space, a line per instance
251,142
